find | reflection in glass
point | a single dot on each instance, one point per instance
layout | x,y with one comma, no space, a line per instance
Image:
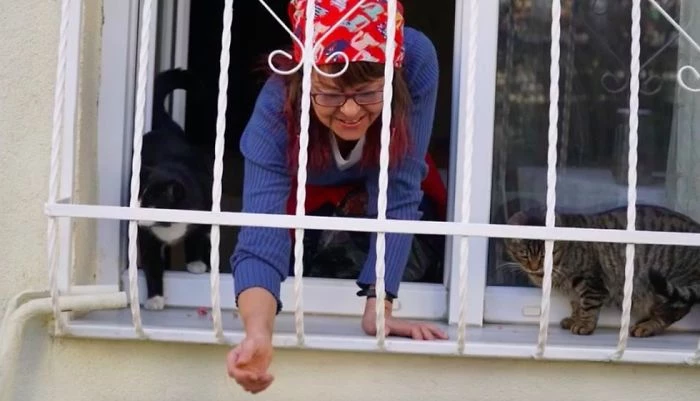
594,101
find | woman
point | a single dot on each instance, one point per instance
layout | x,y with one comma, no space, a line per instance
344,146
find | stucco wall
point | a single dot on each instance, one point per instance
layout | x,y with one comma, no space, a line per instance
99,370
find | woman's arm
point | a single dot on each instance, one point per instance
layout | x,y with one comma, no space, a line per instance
404,192
257,311
261,257
260,261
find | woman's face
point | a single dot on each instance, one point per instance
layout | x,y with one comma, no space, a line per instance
349,111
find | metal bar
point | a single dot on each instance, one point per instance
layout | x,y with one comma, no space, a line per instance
619,236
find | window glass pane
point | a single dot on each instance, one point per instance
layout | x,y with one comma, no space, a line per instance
594,101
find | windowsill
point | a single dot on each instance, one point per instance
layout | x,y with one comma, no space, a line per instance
344,334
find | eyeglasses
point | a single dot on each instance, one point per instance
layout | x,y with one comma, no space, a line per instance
339,99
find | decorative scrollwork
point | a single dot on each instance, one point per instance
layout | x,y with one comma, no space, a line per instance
284,53
681,72
696,76
650,82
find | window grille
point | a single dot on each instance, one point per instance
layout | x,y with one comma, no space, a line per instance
62,208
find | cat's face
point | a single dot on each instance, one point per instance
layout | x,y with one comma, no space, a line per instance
164,194
529,254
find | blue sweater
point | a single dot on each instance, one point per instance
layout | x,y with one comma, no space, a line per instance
261,257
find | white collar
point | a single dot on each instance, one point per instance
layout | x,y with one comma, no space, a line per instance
353,158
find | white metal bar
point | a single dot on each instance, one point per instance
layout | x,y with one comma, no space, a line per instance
482,162
632,178
141,82
58,129
180,59
385,140
152,67
66,184
372,225
467,176
224,62
307,63
554,68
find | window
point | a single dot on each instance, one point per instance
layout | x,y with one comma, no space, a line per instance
508,171
593,126
186,36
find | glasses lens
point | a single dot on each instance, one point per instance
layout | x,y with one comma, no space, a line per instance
331,100
369,97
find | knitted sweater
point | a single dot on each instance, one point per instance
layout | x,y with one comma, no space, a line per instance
262,255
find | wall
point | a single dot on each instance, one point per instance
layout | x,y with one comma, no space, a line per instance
77,370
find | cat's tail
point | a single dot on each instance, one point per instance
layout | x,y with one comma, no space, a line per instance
165,83
688,294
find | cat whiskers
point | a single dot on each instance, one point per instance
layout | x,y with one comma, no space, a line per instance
510,267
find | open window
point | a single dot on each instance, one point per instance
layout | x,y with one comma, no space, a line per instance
187,35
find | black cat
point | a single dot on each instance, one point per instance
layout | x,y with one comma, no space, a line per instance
175,174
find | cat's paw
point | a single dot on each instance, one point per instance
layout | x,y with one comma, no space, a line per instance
566,323
197,267
580,328
155,303
646,328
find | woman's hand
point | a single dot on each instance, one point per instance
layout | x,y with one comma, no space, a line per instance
398,327
249,361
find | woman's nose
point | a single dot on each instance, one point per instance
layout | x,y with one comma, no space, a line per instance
350,108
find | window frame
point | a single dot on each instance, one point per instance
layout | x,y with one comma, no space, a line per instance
488,341
513,304
485,304
115,133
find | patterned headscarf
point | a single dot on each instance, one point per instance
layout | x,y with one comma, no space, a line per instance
361,35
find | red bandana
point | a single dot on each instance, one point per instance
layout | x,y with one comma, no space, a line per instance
361,35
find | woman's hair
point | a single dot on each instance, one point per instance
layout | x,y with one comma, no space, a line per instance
319,149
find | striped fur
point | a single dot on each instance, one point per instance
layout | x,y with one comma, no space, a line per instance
592,275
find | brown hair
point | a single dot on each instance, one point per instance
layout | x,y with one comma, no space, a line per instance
319,149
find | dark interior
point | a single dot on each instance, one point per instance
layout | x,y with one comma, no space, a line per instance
254,35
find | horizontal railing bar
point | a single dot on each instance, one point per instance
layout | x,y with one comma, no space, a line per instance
372,225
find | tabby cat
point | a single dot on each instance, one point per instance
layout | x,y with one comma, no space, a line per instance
592,275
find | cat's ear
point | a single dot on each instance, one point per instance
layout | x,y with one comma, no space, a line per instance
175,191
519,219
512,242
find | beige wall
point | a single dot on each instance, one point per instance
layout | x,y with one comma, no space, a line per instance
99,370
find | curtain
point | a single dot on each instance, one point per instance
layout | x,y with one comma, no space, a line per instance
683,169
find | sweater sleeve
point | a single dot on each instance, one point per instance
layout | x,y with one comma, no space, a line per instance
404,192
261,256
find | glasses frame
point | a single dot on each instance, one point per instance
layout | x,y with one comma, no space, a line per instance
352,96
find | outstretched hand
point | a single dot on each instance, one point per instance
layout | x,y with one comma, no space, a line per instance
248,363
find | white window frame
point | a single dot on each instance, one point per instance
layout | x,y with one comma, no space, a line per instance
506,304
486,304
